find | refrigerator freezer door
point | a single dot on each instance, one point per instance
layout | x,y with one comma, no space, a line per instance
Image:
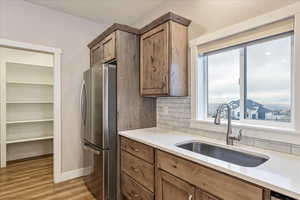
93,108
100,121
97,94
97,178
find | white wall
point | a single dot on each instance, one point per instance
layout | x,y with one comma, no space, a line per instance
25,22
211,15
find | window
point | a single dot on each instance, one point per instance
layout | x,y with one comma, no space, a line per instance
223,81
268,76
253,78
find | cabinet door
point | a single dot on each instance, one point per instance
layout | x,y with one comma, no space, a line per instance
108,44
200,195
169,187
154,61
96,54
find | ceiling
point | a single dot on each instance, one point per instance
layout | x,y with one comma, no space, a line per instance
132,12
103,11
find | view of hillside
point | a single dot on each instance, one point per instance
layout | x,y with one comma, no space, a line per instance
256,111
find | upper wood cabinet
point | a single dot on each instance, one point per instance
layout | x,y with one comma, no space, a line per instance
163,59
119,45
109,46
169,187
96,54
105,50
154,65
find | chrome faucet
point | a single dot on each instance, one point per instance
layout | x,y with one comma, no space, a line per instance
229,137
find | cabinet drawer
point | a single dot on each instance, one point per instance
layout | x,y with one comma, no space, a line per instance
221,185
109,50
138,169
132,190
138,149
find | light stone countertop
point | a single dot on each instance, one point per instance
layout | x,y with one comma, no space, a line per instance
281,173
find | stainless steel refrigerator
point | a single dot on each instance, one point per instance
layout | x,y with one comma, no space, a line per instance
99,130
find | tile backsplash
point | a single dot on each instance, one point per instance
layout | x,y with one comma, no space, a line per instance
175,114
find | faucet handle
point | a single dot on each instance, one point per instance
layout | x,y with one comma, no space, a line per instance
237,136
217,120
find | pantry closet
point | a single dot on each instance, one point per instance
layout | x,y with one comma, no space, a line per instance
26,104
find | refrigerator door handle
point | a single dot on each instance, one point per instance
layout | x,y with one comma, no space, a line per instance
105,106
83,102
88,148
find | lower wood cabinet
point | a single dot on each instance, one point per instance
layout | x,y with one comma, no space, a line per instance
169,187
137,170
219,184
164,176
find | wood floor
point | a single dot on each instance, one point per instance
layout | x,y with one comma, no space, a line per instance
33,179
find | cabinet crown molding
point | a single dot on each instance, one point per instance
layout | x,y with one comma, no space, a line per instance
170,16
112,29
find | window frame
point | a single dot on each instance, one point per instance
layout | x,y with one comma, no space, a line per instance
202,85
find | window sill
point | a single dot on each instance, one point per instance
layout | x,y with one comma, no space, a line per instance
279,134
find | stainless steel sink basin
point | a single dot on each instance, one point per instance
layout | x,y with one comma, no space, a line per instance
228,155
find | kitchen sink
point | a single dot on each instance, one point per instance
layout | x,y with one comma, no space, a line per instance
224,154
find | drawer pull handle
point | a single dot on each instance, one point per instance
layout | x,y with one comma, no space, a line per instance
135,169
190,197
134,149
134,195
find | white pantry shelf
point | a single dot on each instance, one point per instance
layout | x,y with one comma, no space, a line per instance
29,140
17,64
29,83
29,102
29,121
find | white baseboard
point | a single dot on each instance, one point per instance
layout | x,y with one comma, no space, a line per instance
65,176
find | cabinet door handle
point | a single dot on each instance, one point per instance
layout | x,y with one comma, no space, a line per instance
190,197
